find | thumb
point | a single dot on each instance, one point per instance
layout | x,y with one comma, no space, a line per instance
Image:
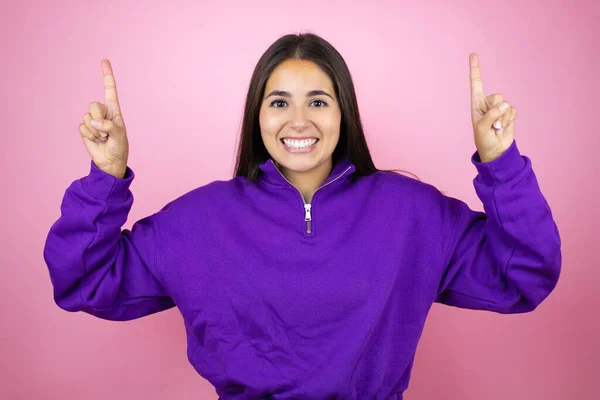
493,115
115,129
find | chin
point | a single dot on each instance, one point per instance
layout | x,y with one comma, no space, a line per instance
300,161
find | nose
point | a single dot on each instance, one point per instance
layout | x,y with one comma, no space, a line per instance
299,121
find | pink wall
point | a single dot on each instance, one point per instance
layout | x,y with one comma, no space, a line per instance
182,71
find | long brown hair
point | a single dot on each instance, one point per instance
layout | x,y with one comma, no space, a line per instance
304,46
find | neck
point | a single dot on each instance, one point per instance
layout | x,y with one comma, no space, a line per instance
308,182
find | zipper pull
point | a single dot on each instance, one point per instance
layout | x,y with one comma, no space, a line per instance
307,218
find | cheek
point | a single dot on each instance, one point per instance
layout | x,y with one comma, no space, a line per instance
331,124
269,124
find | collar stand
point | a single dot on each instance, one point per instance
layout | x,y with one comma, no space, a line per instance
272,174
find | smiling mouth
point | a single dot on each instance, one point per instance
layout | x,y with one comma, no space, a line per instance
299,144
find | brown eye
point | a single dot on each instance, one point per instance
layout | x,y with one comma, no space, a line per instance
279,103
320,102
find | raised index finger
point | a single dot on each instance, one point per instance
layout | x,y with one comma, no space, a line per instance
477,94
110,88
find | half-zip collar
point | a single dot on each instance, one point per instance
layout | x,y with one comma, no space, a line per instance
342,170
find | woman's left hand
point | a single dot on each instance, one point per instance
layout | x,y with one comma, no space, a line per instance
493,118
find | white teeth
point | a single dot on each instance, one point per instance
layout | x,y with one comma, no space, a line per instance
299,144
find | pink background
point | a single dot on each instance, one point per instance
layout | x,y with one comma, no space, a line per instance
182,70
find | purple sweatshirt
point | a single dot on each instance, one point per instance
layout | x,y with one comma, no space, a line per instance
284,300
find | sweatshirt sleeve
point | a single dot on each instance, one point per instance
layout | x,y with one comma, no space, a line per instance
508,258
96,267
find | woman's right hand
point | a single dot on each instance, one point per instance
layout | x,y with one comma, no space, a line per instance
106,143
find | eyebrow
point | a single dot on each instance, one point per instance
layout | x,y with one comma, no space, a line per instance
283,93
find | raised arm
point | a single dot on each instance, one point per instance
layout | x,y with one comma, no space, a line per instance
95,266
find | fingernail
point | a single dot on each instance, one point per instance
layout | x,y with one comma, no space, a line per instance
103,134
498,124
499,131
503,106
96,123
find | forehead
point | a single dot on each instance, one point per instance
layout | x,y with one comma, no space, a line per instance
300,74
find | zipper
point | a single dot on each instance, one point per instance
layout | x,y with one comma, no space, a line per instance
307,218
308,206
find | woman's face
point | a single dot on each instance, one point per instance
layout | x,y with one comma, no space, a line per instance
300,117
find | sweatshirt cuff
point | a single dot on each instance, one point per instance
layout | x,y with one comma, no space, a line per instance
502,169
104,186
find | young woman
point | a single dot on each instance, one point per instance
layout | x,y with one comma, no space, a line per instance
308,275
